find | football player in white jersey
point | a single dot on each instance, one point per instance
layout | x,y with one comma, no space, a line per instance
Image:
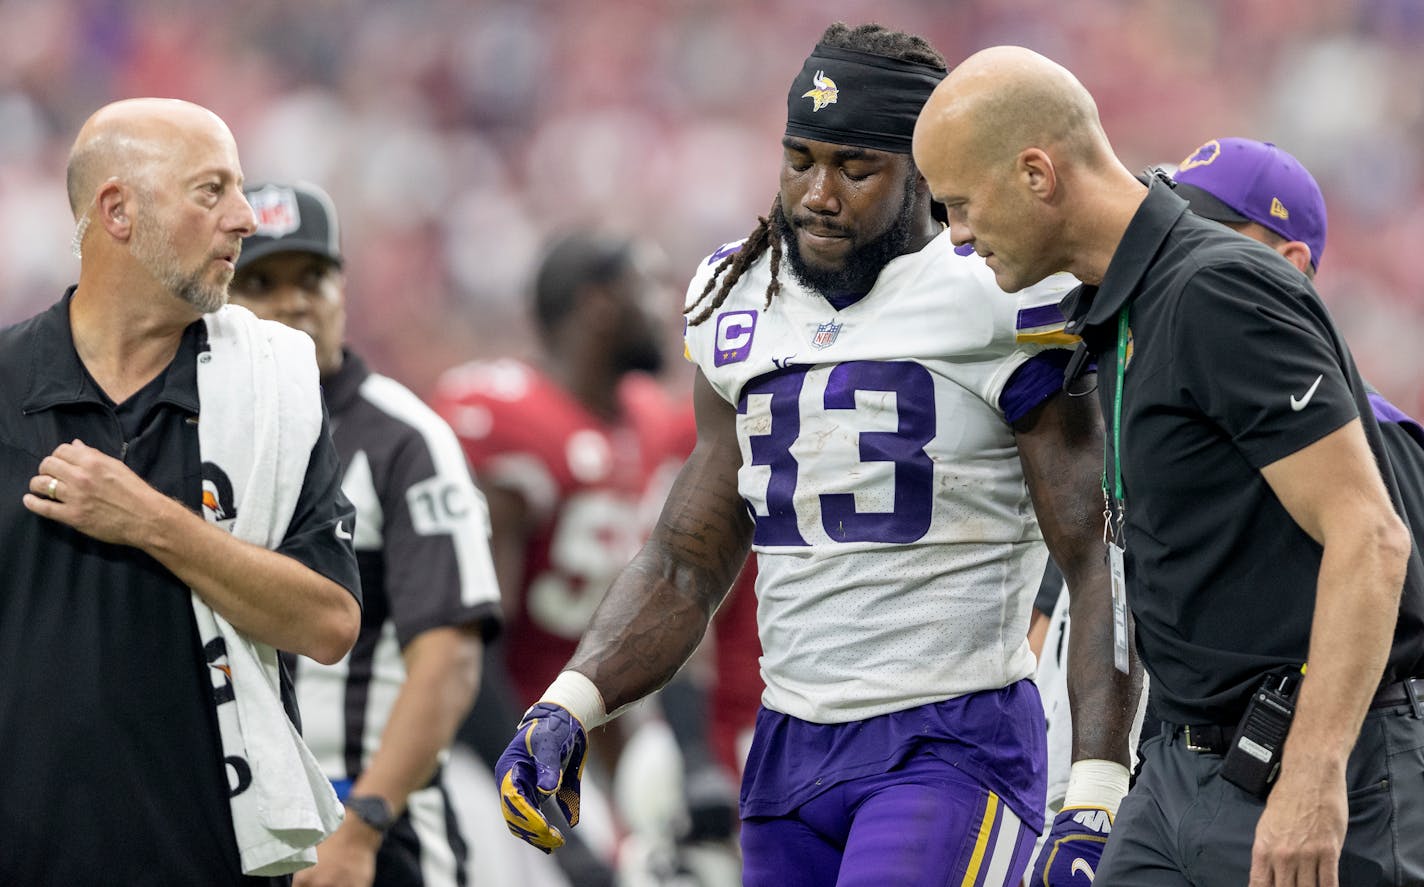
886,429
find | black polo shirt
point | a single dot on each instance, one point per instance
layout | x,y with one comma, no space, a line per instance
1234,363
110,765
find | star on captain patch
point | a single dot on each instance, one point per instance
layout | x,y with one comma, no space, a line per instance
823,94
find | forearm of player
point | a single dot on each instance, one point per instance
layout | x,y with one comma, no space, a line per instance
442,668
658,608
1060,446
648,625
267,596
1103,700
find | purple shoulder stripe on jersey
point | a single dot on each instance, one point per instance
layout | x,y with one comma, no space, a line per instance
724,251
1042,315
1387,412
1036,380
997,737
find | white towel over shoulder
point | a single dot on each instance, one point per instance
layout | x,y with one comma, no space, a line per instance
260,417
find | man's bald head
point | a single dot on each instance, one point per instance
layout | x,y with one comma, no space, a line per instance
1007,98
1011,144
156,190
128,140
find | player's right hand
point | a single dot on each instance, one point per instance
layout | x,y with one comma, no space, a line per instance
544,759
1074,846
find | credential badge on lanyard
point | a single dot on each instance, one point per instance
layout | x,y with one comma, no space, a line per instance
1115,508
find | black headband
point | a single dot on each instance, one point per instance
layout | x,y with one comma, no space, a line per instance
857,98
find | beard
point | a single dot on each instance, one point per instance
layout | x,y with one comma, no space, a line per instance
156,254
863,264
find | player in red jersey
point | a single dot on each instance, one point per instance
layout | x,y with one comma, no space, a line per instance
565,447
574,450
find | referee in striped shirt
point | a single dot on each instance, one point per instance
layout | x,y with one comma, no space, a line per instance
381,719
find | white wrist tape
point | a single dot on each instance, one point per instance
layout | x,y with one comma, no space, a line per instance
577,694
1096,783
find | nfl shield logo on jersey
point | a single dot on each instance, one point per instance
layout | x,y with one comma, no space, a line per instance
826,334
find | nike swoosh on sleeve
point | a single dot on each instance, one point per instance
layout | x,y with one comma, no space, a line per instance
1298,403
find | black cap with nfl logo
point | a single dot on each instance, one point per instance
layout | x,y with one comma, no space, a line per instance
291,218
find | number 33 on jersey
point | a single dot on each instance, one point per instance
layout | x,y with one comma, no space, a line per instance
876,456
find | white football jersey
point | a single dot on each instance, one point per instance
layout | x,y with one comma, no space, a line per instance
897,547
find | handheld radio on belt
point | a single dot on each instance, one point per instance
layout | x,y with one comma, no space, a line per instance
1253,760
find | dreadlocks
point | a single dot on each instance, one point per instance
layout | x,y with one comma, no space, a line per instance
756,243
870,38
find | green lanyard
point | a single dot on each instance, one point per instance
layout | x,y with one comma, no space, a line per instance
1113,495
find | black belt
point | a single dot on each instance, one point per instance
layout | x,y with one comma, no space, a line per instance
1214,739
1406,692
1209,739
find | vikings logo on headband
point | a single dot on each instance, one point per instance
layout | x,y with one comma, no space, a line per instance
859,98
823,94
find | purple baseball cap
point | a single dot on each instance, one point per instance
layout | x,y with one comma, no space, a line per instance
1243,180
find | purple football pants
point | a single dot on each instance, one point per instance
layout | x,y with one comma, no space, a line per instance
924,824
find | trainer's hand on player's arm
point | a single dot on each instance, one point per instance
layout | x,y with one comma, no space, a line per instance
346,859
1074,845
92,492
545,758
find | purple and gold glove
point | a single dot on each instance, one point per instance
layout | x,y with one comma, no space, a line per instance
545,758
1073,848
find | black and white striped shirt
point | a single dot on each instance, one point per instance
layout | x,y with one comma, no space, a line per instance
422,546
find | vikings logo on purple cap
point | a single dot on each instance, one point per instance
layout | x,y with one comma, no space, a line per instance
1243,180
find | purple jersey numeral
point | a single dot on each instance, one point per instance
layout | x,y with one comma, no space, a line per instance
778,525
913,388
905,447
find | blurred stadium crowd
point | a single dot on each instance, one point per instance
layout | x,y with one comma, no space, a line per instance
457,134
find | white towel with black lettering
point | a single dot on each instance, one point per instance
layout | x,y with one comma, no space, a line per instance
260,415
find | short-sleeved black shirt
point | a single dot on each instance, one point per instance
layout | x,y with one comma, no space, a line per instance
110,765
1233,364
